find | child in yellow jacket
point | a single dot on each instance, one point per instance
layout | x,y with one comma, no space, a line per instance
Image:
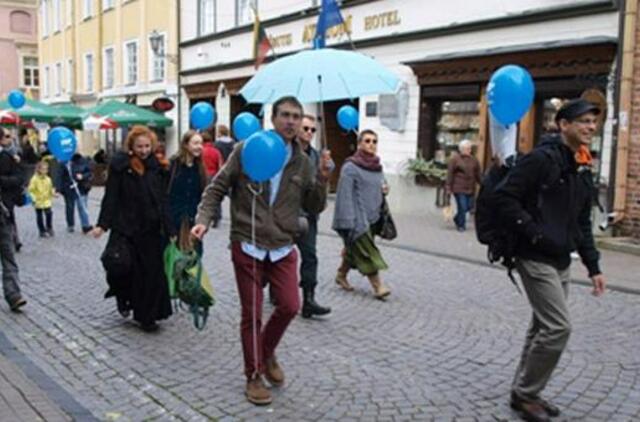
42,192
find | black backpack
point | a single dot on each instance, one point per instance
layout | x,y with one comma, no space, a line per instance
490,228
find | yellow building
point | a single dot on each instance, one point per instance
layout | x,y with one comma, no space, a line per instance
95,50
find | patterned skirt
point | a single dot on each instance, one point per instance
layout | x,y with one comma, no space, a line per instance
365,256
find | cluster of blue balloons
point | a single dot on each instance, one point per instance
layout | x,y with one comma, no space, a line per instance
510,93
62,143
16,99
202,115
263,155
348,117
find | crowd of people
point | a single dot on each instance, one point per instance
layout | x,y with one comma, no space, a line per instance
149,201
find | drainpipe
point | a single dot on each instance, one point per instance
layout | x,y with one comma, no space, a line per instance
625,91
178,69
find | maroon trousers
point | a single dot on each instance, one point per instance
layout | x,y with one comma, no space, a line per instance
258,342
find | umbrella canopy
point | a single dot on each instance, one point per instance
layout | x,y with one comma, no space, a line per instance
96,122
320,75
124,114
9,117
73,113
40,112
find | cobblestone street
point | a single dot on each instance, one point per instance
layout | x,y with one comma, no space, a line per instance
444,346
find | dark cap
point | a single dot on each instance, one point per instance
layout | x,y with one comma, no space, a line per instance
575,108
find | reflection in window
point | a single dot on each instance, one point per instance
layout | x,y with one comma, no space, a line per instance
244,14
207,17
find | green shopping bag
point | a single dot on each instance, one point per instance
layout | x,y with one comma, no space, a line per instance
171,255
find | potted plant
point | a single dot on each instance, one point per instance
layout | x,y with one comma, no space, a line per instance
426,172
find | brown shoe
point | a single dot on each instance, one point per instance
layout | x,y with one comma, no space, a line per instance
273,372
380,291
256,392
16,304
530,411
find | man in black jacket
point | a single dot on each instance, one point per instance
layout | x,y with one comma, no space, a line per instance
10,191
547,199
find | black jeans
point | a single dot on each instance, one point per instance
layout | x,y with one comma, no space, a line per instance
309,260
40,217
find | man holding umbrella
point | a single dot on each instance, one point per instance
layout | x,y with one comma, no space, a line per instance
262,242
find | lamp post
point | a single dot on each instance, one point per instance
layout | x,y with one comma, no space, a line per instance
157,46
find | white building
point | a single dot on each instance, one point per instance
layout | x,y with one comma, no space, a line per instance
443,51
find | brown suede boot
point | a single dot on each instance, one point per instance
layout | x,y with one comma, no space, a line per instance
256,392
380,291
341,276
273,372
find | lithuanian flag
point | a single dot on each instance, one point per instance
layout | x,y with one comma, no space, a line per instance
261,43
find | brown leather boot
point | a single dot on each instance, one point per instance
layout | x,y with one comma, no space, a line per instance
273,372
256,392
341,276
380,291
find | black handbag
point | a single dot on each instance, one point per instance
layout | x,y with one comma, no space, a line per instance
117,258
385,227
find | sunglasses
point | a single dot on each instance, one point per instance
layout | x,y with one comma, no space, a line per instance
373,141
309,129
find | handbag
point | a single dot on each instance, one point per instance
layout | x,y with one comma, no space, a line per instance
117,257
385,227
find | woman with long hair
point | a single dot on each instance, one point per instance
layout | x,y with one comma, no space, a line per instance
187,180
359,200
134,209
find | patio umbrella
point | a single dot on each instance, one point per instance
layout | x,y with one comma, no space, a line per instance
320,75
9,117
97,122
124,114
39,112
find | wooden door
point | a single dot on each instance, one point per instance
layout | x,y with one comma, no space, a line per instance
341,144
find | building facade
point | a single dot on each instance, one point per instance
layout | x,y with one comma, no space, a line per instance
19,47
443,51
94,50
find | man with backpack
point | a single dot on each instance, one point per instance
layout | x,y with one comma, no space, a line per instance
546,200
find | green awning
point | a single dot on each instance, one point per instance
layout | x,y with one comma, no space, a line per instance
36,111
127,114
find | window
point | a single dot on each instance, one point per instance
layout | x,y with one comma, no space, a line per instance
20,22
55,4
58,78
206,17
88,72
243,11
30,72
70,76
107,72
44,18
157,62
108,4
69,12
45,82
87,9
131,62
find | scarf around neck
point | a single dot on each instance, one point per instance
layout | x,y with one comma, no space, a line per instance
366,161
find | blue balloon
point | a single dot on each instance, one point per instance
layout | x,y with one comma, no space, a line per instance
263,155
62,143
244,125
202,115
348,117
17,99
510,93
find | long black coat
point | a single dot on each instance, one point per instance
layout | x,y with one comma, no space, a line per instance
11,180
135,207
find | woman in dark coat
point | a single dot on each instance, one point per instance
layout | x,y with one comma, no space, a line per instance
134,208
187,180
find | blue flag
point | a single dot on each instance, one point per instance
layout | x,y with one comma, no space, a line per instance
329,17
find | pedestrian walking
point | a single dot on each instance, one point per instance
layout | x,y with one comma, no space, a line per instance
273,224
187,180
307,240
134,209
74,183
224,142
546,200
10,165
10,189
211,157
359,200
463,173
42,192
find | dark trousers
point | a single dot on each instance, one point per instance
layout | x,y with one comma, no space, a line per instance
41,214
309,259
258,342
464,202
10,277
71,200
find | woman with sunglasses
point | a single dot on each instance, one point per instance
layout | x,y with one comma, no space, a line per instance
358,203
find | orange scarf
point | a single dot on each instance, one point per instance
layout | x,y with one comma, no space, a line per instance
583,156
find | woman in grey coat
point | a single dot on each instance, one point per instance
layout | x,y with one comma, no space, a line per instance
358,202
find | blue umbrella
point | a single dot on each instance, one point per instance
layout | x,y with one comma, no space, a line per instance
320,75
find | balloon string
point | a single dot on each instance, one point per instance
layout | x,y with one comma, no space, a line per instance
74,186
